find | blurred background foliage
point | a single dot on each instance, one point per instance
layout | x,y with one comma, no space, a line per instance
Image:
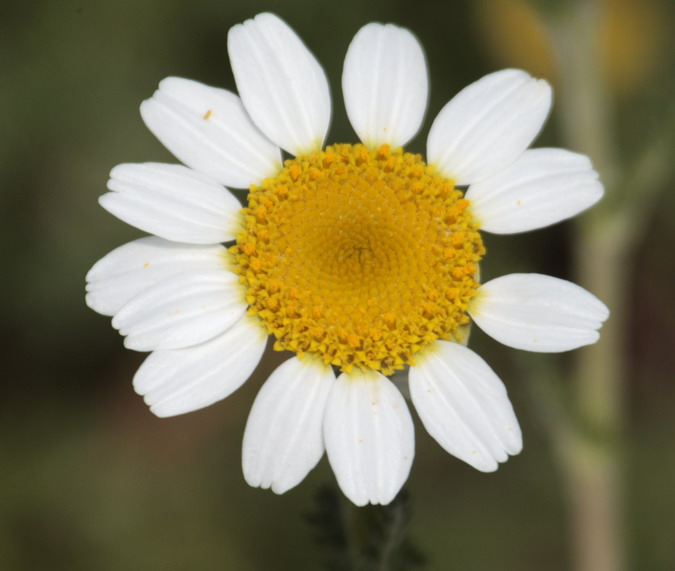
90,480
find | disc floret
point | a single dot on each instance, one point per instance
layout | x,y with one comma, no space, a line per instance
362,257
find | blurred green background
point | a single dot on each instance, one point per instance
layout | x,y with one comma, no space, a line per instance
91,480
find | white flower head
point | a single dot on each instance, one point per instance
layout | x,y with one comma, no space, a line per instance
361,259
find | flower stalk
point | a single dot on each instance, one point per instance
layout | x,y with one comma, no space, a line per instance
590,447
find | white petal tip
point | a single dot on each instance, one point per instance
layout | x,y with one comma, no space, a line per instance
175,382
486,468
488,125
464,406
208,129
385,85
283,440
542,187
281,488
163,412
281,84
278,487
369,437
538,313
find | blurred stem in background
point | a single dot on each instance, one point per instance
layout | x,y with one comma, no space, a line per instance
590,432
592,450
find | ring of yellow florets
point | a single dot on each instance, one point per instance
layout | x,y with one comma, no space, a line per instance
360,256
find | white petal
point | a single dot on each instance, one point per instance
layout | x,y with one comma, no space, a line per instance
369,437
173,202
182,310
183,380
464,406
538,313
385,85
284,439
542,187
132,268
283,87
488,125
209,130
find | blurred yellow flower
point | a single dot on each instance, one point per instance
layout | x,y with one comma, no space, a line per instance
630,37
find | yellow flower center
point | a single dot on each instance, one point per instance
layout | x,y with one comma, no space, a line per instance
360,256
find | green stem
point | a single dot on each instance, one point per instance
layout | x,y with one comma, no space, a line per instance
593,453
590,450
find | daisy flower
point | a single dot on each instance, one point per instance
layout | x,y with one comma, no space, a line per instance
362,259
